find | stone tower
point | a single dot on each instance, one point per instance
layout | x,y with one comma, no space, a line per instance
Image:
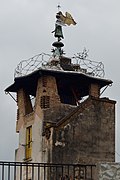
59,121
61,117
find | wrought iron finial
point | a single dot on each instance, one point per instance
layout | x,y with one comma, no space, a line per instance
58,6
83,54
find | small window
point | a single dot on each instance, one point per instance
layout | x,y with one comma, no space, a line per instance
28,142
45,102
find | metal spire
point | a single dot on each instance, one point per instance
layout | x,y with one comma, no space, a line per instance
58,6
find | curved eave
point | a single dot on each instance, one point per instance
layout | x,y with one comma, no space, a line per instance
29,82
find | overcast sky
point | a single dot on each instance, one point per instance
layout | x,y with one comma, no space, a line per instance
25,30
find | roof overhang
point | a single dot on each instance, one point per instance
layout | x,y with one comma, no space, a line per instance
66,78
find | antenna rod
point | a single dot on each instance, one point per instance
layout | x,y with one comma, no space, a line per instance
58,6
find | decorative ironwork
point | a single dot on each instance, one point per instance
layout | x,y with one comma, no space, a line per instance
89,67
79,62
84,54
46,171
58,6
26,67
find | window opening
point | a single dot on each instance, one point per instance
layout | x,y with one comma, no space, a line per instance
45,102
28,142
32,98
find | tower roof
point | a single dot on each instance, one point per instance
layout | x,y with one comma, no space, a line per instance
77,72
65,79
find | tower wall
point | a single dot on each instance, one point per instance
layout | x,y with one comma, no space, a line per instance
47,94
88,135
94,90
33,115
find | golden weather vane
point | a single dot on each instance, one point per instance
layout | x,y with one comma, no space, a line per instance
61,20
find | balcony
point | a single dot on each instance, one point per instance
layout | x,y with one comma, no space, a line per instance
45,171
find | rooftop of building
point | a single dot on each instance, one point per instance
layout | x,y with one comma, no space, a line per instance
69,71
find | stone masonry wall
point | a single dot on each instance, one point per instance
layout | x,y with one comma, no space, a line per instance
34,116
94,90
47,88
109,171
24,108
87,136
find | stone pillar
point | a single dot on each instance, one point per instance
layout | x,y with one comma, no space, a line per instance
24,107
24,103
47,94
94,90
